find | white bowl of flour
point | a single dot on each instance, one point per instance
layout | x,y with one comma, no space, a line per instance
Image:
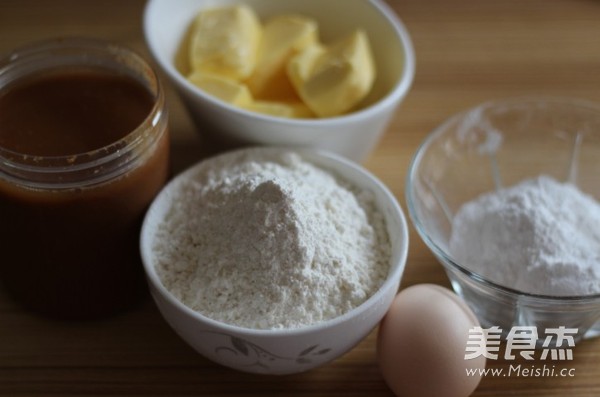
274,261
506,195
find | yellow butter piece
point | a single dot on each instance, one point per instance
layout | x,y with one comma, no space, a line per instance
281,109
225,41
301,67
283,37
333,80
227,90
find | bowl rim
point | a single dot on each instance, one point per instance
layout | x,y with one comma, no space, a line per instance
314,156
437,250
390,99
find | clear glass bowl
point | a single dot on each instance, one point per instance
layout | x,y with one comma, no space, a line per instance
494,145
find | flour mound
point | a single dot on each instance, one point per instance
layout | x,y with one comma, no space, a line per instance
266,240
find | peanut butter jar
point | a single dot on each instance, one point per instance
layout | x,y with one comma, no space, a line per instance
83,151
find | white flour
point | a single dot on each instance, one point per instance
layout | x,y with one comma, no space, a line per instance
539,236
261,239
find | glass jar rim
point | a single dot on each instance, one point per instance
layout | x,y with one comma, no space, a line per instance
78,51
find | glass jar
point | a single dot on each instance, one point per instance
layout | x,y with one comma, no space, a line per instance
70,221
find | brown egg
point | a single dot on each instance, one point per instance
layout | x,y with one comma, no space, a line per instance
421,344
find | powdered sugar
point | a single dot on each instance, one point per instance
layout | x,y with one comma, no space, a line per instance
261,239
539,236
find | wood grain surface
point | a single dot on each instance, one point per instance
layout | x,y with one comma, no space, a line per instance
468,51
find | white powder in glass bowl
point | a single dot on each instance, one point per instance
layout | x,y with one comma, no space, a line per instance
539,236
263,239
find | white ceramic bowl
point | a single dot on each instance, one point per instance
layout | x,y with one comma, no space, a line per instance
354,135
289,350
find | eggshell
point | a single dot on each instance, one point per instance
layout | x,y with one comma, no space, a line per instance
421,344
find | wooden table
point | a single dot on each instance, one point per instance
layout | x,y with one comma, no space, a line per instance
468,51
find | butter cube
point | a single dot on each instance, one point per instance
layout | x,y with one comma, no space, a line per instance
225,41
300,68
333,80
281,109
283,37
223,88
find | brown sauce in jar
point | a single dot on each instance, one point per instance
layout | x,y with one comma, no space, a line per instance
45,115
72,251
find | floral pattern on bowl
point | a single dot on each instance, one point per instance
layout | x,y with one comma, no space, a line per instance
247,354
